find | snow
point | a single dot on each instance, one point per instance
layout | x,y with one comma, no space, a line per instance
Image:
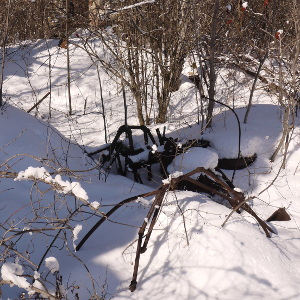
95,205
137,5
36,275
12,272
71,187
142,201
61,185
176,174
52,264
190,255
141,157
220,267
154,148
27,228
193,158
76,231
37,284
245,5
34,173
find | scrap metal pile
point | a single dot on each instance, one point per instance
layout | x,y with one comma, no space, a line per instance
127,158
207,181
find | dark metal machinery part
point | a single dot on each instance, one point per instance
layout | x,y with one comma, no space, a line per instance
226,191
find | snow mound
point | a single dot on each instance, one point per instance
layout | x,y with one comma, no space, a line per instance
193,158
227,146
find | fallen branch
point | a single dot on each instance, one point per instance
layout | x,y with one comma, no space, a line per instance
38,103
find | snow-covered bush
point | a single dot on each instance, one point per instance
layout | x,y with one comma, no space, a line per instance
47,224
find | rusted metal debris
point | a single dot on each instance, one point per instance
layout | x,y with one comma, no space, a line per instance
213,184
127,158
279,215
234,163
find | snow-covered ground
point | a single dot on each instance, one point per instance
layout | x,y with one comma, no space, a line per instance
190,255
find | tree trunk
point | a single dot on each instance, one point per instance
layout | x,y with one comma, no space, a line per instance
162,114
68,59
212,72
4,41
285,106
262,61
139,105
